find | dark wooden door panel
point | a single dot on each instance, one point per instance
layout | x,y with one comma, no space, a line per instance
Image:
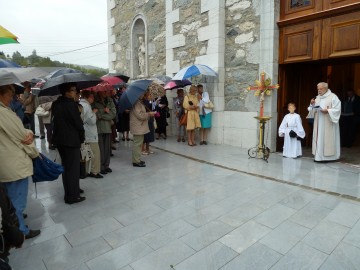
341,36
329,4
300,42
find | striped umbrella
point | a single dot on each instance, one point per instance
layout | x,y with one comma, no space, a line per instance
194,70
7,37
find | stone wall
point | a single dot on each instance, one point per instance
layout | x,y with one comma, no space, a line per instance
241,55
153,12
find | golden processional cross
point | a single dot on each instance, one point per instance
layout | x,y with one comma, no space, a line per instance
263,87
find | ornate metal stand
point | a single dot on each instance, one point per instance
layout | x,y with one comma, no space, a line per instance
260,151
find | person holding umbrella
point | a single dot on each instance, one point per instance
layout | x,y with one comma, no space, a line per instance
68,135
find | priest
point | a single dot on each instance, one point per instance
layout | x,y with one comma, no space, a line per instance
326,108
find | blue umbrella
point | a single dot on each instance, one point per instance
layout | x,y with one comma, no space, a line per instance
8,64
194,70
132,94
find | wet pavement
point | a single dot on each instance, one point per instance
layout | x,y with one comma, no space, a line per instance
195,208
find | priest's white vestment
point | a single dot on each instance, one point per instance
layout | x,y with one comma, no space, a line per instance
326,133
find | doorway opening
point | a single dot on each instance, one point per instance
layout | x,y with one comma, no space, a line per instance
298,84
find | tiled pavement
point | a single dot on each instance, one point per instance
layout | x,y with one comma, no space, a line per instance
194,208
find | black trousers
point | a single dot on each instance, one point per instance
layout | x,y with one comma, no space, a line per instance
70,159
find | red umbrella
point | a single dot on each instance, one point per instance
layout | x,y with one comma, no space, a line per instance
103,86
112,80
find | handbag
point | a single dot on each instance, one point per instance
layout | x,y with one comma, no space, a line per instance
183,119
86,152
209,105
40,111
45,169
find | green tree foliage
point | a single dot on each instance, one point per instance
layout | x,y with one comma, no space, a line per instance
34,60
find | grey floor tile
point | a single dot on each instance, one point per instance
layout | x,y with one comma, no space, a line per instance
205,215
139,213
345,213
129,233
120,257
353,237
326,236
270,198
284,237
161,259
241,214
301,257
310,215
170,215
275,215
244,236
299,199
207,234
212,257
49,233
77,255
93,231
344,257
257,257
166,234
81,266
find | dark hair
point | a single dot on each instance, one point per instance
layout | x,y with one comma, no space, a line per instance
65,87
6,88
291,103
86,93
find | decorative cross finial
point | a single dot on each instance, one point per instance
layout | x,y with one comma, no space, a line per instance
263,86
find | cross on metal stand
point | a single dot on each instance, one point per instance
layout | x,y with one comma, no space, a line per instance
260,151
263,87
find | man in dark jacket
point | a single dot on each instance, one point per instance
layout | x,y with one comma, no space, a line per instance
68,135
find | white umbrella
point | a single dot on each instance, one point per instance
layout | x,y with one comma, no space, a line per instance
194,70
19,75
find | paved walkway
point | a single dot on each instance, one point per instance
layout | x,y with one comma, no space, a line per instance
199,208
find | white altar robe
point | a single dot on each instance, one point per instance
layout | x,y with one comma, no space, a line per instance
326,134
292,146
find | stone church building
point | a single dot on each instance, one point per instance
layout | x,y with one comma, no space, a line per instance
297,43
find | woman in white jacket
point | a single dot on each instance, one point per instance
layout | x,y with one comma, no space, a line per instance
91,132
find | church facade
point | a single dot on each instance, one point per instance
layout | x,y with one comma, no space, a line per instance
239,39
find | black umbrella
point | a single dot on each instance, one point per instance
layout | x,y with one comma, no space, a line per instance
82,81
121,76
132,94
62,71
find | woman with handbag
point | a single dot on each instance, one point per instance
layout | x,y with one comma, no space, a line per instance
16,153
191,105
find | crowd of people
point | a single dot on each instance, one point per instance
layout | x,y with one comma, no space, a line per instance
83,124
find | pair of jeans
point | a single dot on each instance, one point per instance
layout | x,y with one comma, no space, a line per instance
17,192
